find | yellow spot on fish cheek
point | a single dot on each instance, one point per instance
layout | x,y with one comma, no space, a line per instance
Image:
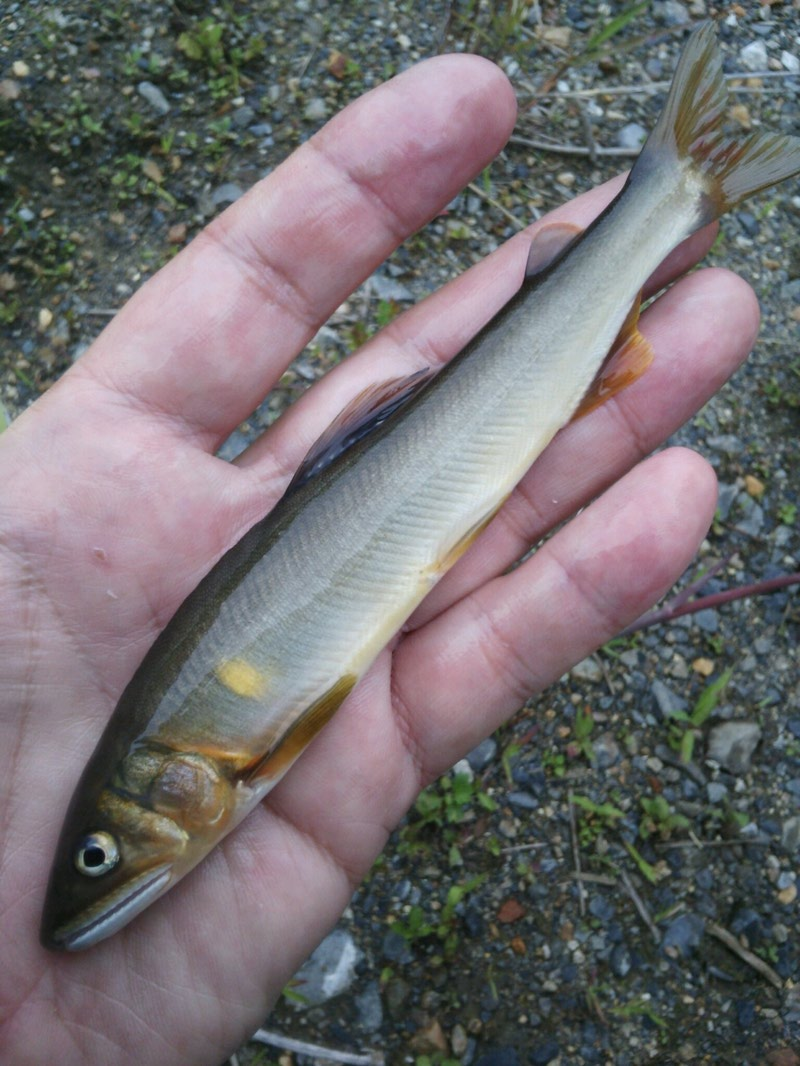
241,678
191,792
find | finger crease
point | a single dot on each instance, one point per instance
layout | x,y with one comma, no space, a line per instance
502,656
589,594
408,734
371,191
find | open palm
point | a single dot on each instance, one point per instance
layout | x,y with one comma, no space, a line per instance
113,506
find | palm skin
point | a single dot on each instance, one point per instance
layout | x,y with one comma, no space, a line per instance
113,507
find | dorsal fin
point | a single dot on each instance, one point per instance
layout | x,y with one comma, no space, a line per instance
549,243
631,354
365,412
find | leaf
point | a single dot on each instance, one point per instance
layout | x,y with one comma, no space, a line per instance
709,698
614,26
645,869
511,911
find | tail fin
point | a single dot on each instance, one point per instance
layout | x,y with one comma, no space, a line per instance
691,127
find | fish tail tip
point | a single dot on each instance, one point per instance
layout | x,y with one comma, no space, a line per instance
691,126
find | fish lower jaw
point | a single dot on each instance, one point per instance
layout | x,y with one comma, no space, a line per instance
138,895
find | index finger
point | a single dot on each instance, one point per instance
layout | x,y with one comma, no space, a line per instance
203,341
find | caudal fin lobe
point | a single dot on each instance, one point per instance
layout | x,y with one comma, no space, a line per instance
690,128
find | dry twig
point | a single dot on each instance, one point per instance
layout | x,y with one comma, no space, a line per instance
758,964
576,856
371,1058
639,904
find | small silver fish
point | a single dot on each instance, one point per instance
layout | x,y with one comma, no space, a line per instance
264,651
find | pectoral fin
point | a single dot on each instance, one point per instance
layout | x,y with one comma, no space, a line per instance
276,762
631,354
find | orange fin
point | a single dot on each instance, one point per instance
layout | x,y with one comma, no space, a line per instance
465,542
548,245
365,413
276,762
631,354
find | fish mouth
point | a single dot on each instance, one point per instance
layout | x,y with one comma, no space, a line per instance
124,905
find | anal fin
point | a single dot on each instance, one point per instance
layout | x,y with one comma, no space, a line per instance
273,765
451,557
631,354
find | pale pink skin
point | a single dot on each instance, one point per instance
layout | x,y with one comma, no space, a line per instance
109,484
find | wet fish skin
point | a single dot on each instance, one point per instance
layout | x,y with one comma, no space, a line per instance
263,652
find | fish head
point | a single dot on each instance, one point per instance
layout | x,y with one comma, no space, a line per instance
126,840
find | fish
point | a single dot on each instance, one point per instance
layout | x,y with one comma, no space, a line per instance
264,651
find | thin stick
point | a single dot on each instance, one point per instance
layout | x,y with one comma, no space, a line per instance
737,842
653,86
694,586
524,847
668,613
576,856
372,1058
730,941
573,149
638,903
495,204
595,879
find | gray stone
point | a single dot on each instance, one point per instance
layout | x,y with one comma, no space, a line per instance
683,935
620,961
707,620
672,12
669,703
725,443
727,494
790,62
754,56
605,751
330,970
395,948
154,97
716,792
316,110
631,136
482,754
226,193
397,992
524,800
370,1008
587,670
243,116
732,744
389,288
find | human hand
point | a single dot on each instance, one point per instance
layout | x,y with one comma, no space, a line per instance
114,506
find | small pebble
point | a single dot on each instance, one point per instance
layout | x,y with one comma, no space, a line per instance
316,110
732,744
754,56
154,97
631,136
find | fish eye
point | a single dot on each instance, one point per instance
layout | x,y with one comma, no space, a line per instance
96,854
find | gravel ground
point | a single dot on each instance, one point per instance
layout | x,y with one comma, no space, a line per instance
675,795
